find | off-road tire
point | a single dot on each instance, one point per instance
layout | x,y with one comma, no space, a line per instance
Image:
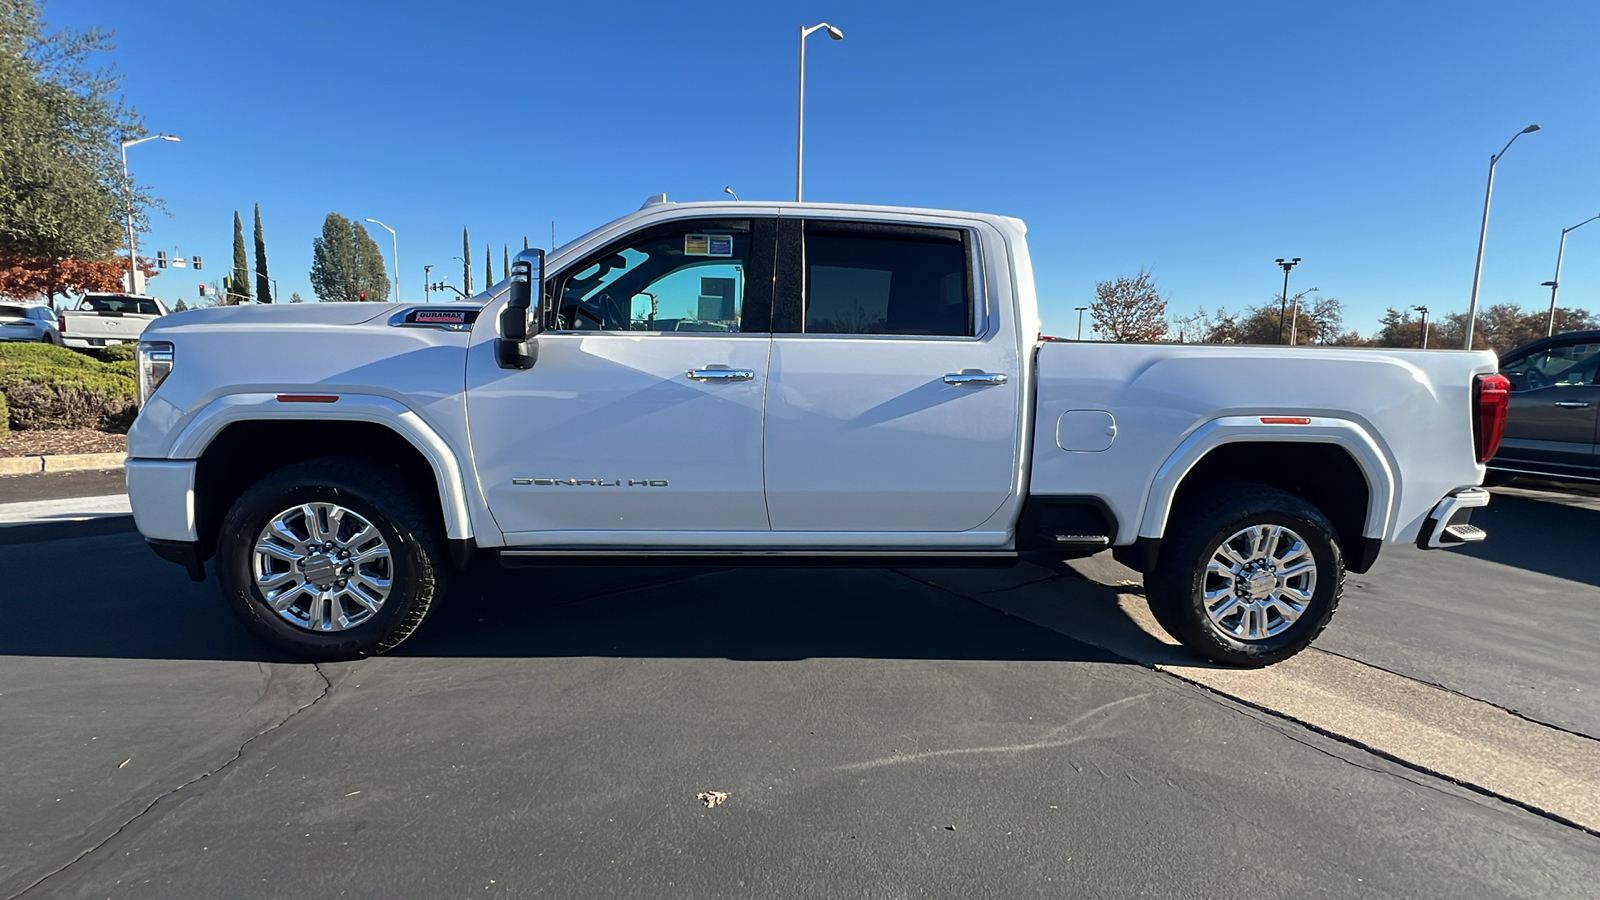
373,491
1174,589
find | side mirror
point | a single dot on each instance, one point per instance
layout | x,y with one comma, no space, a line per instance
518,344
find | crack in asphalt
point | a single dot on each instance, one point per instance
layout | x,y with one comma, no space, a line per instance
327,688
1225,699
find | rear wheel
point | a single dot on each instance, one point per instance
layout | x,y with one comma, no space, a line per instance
1252,578
331,559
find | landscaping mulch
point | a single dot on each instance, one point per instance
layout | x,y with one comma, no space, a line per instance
65,440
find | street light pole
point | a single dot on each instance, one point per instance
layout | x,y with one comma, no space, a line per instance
1550,324
1294,319
1284,307
426,296
395,245
1424,311
800,130
127,189
1080,310
1483,233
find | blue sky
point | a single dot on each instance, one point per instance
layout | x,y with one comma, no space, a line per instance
1201,140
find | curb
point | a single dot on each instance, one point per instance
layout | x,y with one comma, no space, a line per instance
66,462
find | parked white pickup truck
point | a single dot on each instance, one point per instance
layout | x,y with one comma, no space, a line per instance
785,384
108,319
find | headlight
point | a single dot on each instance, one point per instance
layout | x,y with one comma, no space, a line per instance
155,364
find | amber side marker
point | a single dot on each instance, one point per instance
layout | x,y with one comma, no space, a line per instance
308,398
1277,420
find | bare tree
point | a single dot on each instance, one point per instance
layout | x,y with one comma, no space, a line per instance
1129,309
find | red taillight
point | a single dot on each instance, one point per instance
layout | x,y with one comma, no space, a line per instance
1493,400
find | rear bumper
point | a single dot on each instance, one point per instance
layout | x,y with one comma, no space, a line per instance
1448,525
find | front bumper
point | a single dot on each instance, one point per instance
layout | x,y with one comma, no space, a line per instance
1448,525
161,492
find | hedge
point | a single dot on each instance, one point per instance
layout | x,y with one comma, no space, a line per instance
5,418
118,353
125,367
14,354
67,397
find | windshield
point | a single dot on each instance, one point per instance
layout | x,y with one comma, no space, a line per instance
140,305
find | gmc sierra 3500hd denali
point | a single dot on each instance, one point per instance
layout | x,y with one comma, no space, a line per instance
734,383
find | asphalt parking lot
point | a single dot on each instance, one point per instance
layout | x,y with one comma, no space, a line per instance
876,733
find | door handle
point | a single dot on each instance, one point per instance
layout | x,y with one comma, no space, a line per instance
719,375
971,376
1571,404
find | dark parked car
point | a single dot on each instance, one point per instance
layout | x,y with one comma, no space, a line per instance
1553,427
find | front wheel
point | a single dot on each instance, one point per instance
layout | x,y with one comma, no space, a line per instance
1251,579
330,559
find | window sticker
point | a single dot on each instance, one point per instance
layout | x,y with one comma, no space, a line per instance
708,245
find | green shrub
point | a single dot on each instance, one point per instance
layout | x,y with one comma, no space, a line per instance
15,354
126,367
5,418
62,397
118,353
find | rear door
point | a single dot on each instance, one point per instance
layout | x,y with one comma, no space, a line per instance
1555,407
893,404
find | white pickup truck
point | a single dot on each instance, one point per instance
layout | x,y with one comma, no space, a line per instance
788,384
108,319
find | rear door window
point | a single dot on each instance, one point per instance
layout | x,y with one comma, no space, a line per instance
870,279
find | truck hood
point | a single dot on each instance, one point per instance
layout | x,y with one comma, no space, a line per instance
276,314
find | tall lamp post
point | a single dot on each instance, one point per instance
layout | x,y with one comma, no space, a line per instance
800,132
1283,308
1080,310
426,287
1550,324
1424,311
127,188
394,241
1294,318
1483,233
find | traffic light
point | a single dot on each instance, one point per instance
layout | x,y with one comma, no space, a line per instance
197,261
202,290
363,295
161,259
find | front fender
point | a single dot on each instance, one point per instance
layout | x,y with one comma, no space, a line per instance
209,422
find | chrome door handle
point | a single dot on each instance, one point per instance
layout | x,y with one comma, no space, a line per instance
720,374
1571,404
974,377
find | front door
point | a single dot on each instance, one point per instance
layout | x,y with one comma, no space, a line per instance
643,413
1555,404
893,405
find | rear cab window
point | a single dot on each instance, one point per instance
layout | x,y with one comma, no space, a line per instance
863,278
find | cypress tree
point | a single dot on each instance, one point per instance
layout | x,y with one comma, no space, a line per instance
466,262
505,261
239,285
488,268
263,285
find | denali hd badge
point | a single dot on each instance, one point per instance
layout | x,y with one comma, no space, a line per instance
589,482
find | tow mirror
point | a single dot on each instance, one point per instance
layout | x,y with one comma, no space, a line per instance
521,320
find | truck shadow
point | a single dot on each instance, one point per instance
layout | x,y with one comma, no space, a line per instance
1552,531
128,604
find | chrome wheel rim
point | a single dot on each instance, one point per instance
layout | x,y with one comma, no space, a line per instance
1259,582
322,567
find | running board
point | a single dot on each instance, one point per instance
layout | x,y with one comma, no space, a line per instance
849,559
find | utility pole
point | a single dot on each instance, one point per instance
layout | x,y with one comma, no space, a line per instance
1080,310
1424,311
426,292
1283,310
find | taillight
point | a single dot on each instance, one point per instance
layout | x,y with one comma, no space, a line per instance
1493,400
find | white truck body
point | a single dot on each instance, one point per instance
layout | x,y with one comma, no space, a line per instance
774,442
108,319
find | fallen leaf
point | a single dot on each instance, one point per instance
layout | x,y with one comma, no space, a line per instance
712,798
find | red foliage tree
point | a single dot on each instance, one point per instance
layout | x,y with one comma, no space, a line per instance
27,278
